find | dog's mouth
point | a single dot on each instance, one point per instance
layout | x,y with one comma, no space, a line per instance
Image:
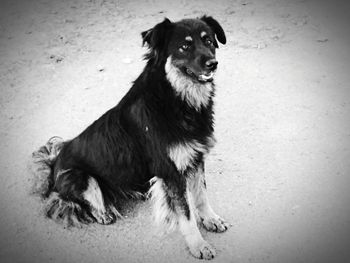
201,77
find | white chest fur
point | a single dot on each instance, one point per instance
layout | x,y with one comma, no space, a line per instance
184,154
194,93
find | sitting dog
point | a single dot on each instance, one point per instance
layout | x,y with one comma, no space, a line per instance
155,140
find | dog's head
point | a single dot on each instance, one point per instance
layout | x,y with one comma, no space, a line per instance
189,44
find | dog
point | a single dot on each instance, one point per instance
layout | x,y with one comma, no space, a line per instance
153,142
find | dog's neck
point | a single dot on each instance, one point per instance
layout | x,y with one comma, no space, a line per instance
195,94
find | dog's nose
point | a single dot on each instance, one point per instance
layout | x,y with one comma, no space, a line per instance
211,64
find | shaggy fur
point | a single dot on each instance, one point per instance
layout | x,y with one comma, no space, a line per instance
155,140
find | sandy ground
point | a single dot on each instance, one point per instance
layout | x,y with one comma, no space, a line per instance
280,170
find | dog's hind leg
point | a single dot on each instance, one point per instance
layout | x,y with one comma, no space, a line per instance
93,196
210,219
78,198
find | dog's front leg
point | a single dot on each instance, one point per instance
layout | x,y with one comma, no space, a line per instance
174,207
189,229
210,219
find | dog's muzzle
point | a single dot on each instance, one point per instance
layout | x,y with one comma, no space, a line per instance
204,77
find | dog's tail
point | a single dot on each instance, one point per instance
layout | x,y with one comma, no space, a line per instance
42,164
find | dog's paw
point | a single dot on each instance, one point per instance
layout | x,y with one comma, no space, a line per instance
202,250
215,224
103,218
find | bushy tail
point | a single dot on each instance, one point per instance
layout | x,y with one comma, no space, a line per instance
41,166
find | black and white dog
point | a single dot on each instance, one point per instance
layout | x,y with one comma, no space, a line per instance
154,140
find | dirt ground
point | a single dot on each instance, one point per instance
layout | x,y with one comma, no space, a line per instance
279,172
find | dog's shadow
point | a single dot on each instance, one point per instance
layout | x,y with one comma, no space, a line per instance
133,207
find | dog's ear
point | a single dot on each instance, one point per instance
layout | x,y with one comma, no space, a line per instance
156,37
215,26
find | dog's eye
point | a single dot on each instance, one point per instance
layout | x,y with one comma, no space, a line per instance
185,47
208,41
